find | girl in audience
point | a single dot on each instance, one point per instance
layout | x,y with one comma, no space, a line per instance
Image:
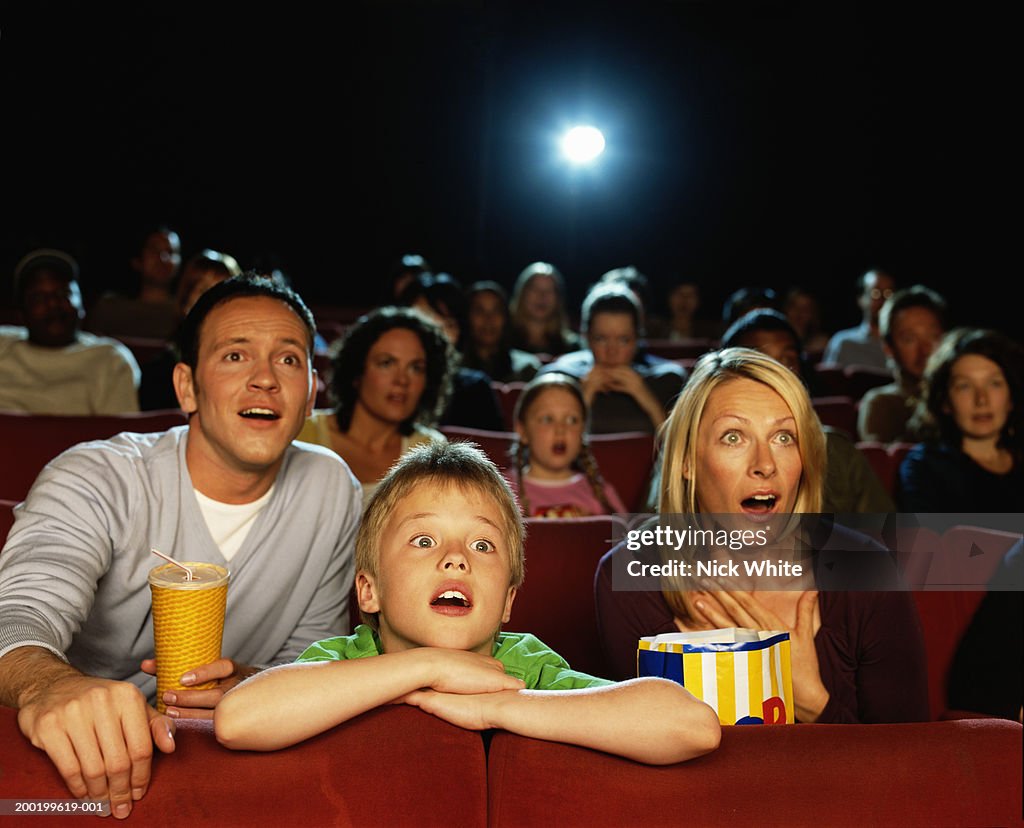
390,380
625,388
743,445
556,475
974,401
540,324
486,347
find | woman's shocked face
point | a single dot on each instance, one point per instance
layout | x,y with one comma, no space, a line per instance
747,454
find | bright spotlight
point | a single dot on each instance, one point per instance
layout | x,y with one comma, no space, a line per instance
582,144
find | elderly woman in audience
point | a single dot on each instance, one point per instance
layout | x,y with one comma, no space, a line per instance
486,345
974,402
390,380
540,324
850,483
625,388
743,447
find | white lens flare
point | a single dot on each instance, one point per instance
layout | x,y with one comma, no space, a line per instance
582,144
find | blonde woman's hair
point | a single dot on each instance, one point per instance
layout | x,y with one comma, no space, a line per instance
678,493
440,465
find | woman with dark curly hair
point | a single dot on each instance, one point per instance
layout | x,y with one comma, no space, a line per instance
974,401
390,379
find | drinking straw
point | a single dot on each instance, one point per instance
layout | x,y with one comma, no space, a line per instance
188,572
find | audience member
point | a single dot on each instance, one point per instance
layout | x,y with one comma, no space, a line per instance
152,310
486,345
625,389
51,366
911,322
473,403
540,324
850,483
804,314
743,447
440,557
404,271
863,345
746,299
556,474
682,323
974,402
199,274
390,378
231,486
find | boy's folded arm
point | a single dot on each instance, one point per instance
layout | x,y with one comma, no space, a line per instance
287,704
649,720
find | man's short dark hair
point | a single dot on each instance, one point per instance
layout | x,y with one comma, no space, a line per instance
917,296
248,284
55,261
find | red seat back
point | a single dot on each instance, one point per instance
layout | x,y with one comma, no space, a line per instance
556,603
29,441
6,519
885,461
507,394
838,412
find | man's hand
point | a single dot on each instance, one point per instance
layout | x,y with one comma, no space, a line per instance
99,734
199,704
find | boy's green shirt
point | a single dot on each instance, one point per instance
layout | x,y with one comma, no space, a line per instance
524,656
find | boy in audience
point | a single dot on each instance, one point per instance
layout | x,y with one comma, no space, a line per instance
439,558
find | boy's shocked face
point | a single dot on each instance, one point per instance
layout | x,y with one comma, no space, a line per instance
443,574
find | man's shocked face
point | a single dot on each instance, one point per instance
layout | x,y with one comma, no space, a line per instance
251,390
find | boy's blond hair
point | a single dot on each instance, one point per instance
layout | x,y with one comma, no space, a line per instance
445,464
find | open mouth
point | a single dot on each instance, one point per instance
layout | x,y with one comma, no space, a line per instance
259,414
452,602
760,504
559,448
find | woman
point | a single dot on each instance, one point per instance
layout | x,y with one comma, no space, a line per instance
743,444
486,345
540,324
390,380
850,483
626,390
973,398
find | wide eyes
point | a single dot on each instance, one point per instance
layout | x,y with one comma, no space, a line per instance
478,545
782,438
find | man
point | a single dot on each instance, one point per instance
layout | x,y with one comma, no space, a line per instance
863,345
229,488
50,366
912,323
152,313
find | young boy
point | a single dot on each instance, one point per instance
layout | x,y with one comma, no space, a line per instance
439,556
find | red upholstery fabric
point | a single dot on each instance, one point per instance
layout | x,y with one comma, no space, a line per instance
939,773
391,766
6,519
838,412
556,603
625,459
508,393
29,441
885,461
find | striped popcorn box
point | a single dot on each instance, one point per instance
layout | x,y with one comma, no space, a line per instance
744,675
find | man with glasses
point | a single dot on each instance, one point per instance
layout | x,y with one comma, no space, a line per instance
863,345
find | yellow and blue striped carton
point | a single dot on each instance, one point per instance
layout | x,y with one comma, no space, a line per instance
744,675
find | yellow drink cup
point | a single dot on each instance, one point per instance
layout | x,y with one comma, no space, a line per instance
188,622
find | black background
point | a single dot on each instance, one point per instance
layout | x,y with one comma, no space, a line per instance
749,143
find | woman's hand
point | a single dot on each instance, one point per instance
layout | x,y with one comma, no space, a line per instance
626,380
737,608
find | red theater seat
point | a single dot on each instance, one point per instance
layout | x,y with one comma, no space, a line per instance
838,412
885,461
391,766
29,441
556,603
6,519
936,773
507,394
